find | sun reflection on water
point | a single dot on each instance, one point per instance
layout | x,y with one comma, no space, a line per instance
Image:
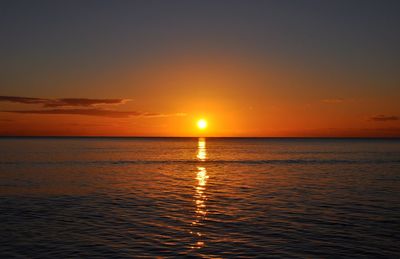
201,149
200,196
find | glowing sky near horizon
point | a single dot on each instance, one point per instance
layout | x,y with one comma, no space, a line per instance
153,68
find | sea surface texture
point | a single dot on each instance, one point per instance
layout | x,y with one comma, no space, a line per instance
207,198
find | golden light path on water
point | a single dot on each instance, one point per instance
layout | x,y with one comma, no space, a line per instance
200,196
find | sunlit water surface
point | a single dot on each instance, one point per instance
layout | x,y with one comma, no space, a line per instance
79,197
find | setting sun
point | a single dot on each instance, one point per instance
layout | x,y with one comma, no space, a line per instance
202,124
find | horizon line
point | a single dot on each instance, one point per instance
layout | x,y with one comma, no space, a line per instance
215,137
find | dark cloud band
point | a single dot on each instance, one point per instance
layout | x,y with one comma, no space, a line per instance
62,102
95,112
384,118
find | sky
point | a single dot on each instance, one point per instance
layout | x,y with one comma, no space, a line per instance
153,68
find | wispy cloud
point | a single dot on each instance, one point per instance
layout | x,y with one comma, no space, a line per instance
6,120
62,102
95,112
383,118
333,101
84,106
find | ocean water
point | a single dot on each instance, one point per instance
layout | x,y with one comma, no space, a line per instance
206,198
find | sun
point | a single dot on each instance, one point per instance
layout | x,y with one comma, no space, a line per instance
202,124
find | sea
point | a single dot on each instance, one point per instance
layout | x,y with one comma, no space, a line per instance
93,197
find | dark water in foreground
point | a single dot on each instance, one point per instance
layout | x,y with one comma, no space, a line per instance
202,198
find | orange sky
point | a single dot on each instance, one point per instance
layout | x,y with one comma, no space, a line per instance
238,97
251,68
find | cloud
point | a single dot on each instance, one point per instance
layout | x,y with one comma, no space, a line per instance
95,112
333,101
65,102
6,120
24,100
179,114
384,118
62,102
60,107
